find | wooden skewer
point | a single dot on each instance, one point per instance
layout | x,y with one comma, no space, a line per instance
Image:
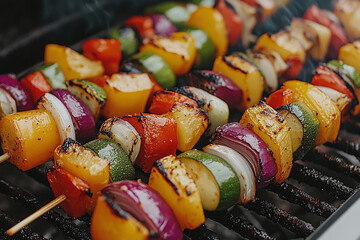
35,215
4,157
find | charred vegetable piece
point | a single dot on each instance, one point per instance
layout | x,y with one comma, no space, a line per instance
120,164
304,127
245,75
23,98
171,179
350,54
126,93
108,51
177,49
218,184
53,75
110,221
91,94
36,84
128,39
162,25
77,191
318,102
273,129
72,64
85,164
279,98
142,24
7,103
174,11
341,100
22,133
348,13
204,46
159,137
350,71
124,134
154,64
212,22
163,101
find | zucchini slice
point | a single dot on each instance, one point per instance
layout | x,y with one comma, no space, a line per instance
304,127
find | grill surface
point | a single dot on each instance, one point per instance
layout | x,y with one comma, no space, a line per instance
318,185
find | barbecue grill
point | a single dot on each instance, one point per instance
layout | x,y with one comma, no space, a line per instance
320,199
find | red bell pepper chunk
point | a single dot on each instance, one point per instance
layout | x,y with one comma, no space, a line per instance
143,25
295,66
233,21
158,137
108,51
100,81
36,84
327,78
163,101
156,87
279,98
76,190
338,37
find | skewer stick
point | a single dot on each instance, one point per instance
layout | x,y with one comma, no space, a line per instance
4,157
35,215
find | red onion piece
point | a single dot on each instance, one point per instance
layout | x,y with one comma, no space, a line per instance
250,145
216,84
147,206
17,91
162,25
81,116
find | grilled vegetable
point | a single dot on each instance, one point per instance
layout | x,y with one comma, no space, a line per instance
191,124
22,133
72,64
142,24
350,54
36,84
61,115
273,129
162,25
178,50
318,102
211,22
126,93
124,134
172,180
23,99
251,146
84,124
341,100
120,164
245,75
350,71
84,164
158,137
7,103
128,39
108,51
279,98
77,191
175,12
163,101
241,167
91,94
53,75
218,184
348,13
304,127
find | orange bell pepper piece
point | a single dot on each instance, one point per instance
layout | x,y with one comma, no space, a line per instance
163,101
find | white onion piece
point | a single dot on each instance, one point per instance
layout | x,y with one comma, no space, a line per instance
7,103
61,115
216,109
267,69
241,167
124,134
330,15
279,64
340,99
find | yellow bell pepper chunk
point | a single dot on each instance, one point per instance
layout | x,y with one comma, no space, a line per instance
29,137
273,129
178,50
84,164
245,75
324,108
73,64
127,93
350,54
106,224
171,180
282,43
212,22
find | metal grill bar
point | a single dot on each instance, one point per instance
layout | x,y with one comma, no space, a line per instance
201,233
239,225
25,233
353,125
65,225
316,178
292,194
285,219
347,142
